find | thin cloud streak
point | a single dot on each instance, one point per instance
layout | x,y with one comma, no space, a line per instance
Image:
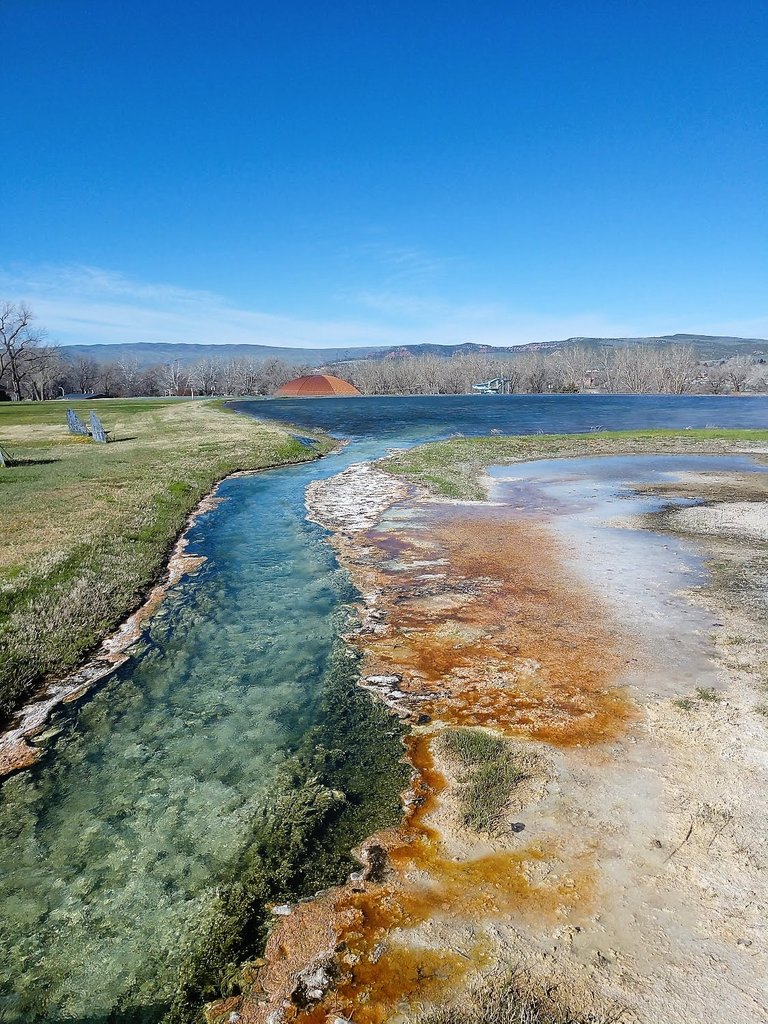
90,305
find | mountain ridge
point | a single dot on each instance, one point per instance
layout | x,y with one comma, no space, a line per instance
153,353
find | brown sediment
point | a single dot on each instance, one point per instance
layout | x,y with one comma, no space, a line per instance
616,907
476,617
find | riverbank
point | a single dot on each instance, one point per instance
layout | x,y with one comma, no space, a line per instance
88,529
580,831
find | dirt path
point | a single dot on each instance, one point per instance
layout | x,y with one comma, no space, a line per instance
623,874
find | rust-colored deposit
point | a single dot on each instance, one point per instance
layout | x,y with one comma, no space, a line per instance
495,631
477,617
369,937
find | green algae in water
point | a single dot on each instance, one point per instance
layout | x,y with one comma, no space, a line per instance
340,784
331,795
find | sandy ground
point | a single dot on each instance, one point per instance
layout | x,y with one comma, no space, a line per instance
627,878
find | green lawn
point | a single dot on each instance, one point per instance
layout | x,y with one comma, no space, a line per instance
86,527
455,468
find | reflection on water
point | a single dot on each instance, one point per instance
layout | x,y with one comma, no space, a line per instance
417,418
111,843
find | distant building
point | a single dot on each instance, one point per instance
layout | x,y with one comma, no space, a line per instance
497,386
317,385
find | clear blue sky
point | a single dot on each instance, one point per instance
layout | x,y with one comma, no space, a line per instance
332,172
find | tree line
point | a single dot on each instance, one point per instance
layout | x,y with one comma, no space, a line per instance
632,369
30,368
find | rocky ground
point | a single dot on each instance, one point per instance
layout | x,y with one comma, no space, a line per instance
615,862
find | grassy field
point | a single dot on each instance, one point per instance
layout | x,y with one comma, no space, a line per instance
86,527
455,468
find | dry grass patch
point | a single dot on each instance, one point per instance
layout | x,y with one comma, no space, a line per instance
502,1000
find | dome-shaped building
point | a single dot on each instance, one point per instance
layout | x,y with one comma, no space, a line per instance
317,385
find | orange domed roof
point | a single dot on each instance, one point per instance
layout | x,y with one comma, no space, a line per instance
316,385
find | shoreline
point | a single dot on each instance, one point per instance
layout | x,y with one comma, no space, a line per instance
114,648
455,468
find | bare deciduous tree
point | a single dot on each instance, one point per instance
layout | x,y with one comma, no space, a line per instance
128,376
679,369
46,367
172,378
636,369
204,377
737,371
18,342
86,374
576,366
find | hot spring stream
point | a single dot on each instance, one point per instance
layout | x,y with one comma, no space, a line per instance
113,842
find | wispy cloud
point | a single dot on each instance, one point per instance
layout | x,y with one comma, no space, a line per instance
400,304
93,305
401,265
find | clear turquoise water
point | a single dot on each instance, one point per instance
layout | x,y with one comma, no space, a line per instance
112,844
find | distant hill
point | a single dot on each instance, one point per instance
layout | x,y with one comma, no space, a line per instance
152,353
708,346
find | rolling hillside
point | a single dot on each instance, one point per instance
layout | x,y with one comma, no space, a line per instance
153,353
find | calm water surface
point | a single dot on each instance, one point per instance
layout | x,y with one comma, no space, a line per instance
112,844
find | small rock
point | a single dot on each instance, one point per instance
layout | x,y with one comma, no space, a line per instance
378,951
383,680
312,984
375,859
283,910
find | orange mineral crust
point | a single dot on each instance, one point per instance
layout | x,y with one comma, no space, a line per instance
495,631
370,938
